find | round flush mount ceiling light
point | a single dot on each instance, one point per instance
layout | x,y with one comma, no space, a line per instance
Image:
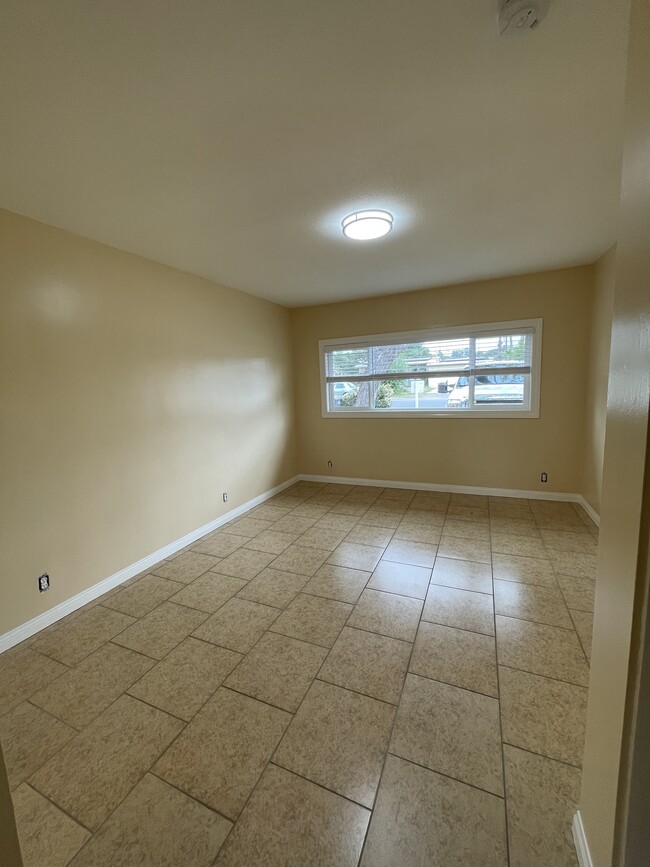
367,225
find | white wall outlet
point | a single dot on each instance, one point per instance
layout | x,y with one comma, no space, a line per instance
225,497
43,582
330,464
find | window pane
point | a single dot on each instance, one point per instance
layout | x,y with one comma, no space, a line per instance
509,350
500,390
451,354
348,395
400,358
348,362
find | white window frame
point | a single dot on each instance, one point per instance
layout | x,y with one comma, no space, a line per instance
440,333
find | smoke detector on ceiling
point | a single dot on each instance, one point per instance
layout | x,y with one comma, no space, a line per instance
517,17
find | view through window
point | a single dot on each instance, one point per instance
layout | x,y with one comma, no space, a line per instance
488,369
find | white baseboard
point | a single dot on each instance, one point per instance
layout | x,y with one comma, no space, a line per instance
593,514
580,840
47,618
458,489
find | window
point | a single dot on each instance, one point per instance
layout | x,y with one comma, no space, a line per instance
483,371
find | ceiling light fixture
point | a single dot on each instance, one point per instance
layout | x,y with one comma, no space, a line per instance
367,225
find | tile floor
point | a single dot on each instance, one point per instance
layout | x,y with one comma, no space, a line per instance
345,675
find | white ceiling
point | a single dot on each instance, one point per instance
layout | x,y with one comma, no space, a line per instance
229,137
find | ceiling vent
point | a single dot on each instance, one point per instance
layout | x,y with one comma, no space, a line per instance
518,17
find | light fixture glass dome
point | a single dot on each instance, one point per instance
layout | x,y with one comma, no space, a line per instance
367,225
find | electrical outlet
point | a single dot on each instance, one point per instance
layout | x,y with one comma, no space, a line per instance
225,497
543,477
43,582
330,464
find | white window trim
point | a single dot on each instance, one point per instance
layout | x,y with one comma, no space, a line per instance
440,333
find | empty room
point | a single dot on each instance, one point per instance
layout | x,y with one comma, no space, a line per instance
324,400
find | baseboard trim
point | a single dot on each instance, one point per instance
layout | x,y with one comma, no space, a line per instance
580,840
456,489
47,618
593,514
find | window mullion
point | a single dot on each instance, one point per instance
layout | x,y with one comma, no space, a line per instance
472,367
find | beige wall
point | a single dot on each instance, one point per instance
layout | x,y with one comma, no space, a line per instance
132,396
625,453
596,393
508,453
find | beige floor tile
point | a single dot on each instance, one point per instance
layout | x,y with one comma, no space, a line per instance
462,574
423,518
518,546
323,498
337,582
514,526
388,520
338,739
82,693
271,541
401,495
76,639
579,593
457,657
477,531
543,715
161,630
422,818
353,556
412,532
278,670
186,678
142,597
250,527
387,614
24,672
556,520
48,838
560,540
374,665
187,566
244,563
411,553
155,825
584,624
542,796
302,560
450,730
274,588
314,619
269,513
531,602
29,737
468,513
541,649
294,524
476,501
334,520
220,756
524,570
350,508
290,822
462,609
452,547
310,509
324,538
91,775
220,544
208,592
401,579
238,624
373,536
392,507
434,500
